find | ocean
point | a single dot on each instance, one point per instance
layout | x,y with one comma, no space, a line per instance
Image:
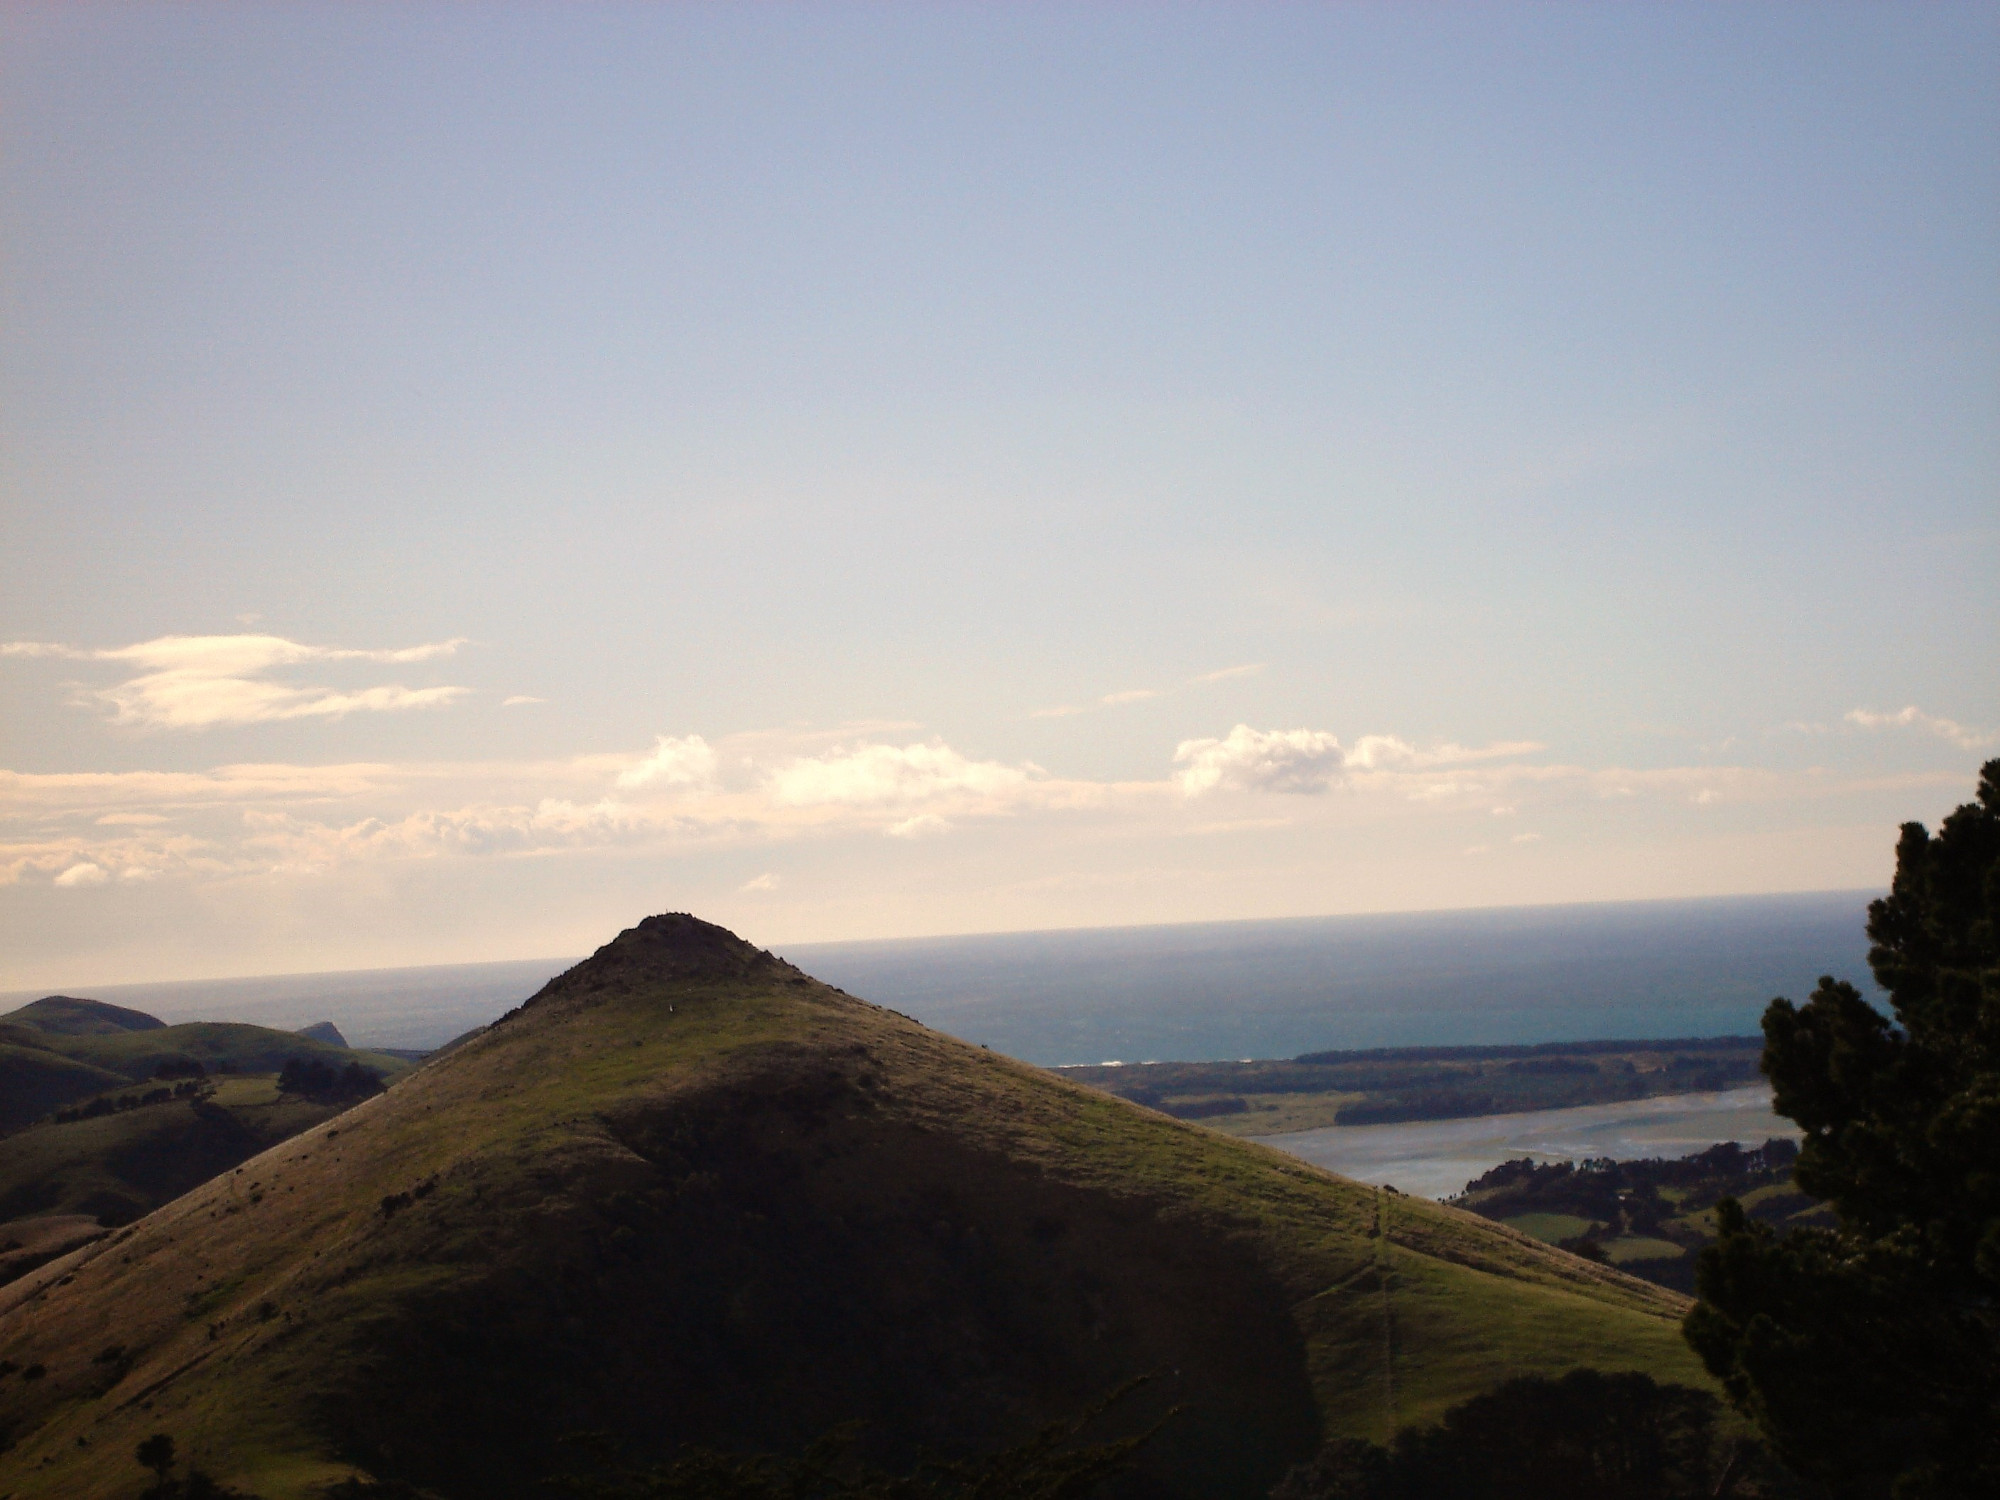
1203,991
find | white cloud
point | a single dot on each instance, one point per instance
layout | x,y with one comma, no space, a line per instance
764,882
518,699
1384,751
686,764
1060,711
881,775
1260,760
210,681
83,874
1913,717
1310,760
923,825
1249,669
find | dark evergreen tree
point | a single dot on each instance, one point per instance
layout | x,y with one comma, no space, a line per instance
1869,1353
157,1454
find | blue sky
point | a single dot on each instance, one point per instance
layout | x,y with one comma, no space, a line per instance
963,468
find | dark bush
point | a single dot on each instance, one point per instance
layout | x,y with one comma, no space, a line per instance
1205,1109
313,1078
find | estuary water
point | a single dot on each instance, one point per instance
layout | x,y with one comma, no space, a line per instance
1437,1158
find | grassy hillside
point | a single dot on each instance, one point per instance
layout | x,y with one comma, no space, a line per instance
687,1193
218,1046
35,1080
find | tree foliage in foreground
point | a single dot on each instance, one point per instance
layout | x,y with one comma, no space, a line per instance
1869,1354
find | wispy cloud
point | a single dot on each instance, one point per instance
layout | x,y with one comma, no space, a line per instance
882,775
519,699
765,882
1913,717
1142,695
1249,669
214,681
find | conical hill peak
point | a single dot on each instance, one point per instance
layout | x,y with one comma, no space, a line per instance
670,946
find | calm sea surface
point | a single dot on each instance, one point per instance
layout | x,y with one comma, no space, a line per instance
1275,989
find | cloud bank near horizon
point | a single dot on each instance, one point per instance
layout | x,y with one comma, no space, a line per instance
80,830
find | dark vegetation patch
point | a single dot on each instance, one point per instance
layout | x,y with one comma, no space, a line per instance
1631,1201
314,1078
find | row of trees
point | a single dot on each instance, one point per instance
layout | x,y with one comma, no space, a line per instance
107,1104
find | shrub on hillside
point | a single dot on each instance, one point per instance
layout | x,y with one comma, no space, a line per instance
312,1078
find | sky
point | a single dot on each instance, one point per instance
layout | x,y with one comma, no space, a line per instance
471,476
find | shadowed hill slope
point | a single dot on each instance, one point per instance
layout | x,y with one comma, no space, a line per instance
687,1193
34,1079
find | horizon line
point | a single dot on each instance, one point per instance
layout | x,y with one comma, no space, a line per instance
44,991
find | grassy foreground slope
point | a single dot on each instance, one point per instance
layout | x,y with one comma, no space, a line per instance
689,1194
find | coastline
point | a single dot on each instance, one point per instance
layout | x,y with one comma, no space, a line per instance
1436,1158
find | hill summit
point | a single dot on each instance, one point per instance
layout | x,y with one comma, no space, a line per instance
665,949
686,1194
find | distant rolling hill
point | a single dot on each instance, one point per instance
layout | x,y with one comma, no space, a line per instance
61,1049
66,1015
687,1193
